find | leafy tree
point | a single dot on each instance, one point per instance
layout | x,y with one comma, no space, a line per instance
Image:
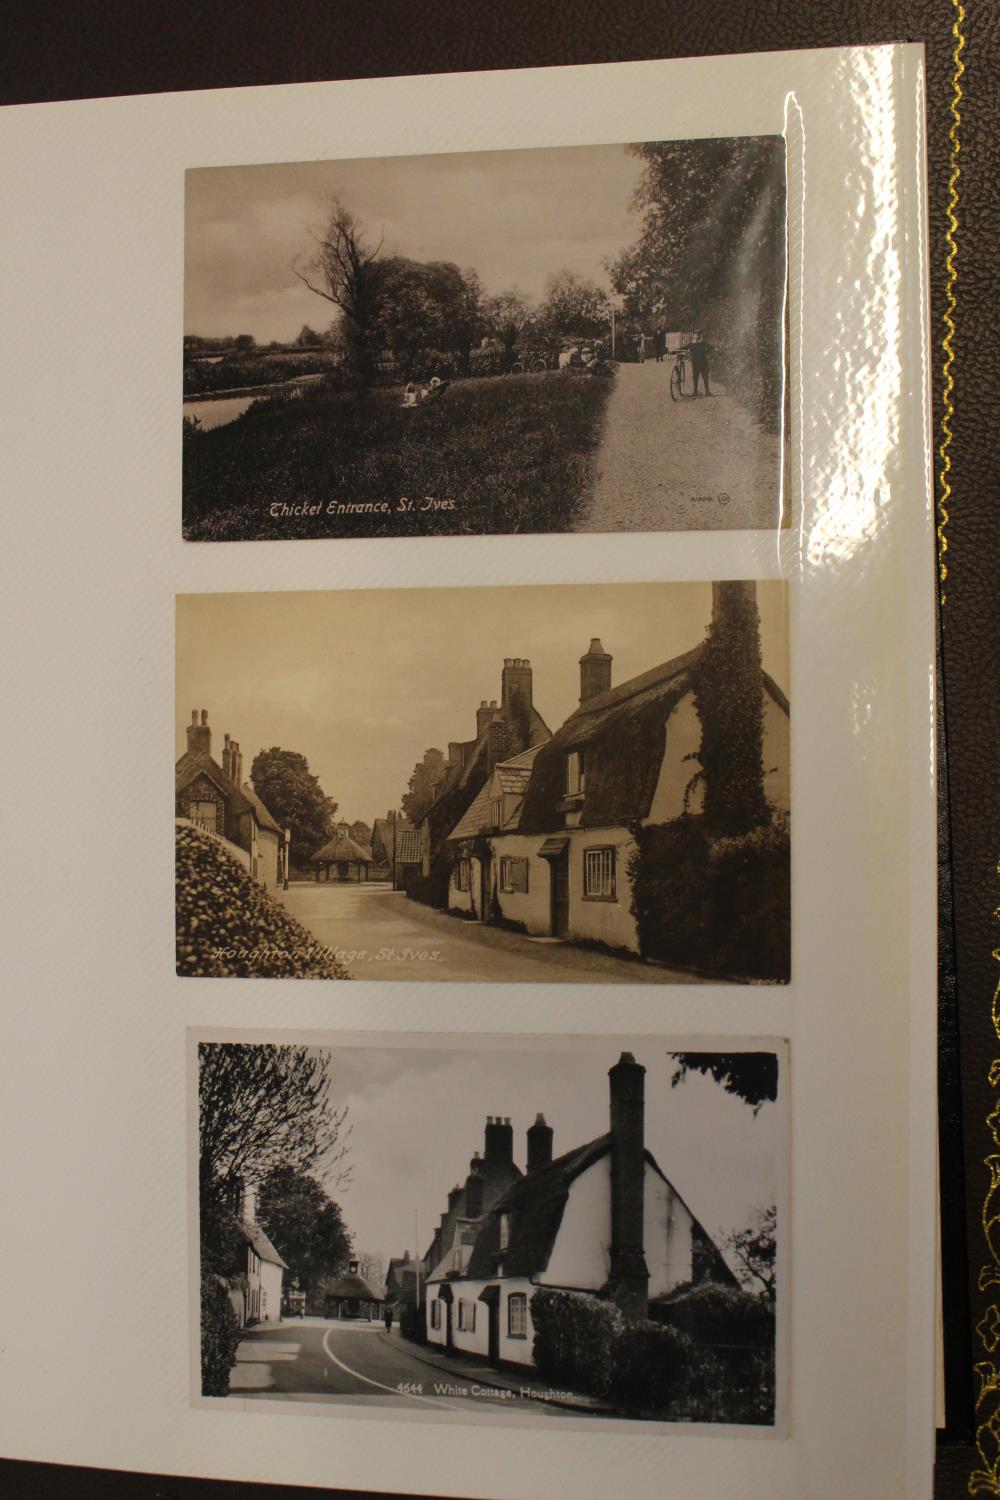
711,253
262,1107
427,308
308,338
506,316
754,1250
245,342
304,1224
293,795
572,307
344,268
420,793
729,697
750,1076
361,834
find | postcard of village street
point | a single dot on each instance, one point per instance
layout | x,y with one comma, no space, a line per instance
543,1231
568,339
582,783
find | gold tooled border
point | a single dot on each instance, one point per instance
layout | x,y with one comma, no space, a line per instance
951,277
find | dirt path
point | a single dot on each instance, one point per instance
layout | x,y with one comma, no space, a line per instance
695,464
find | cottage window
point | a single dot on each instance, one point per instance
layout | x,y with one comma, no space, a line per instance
576,774
466,1316
496,812
513,874
463,875
517,1315
504,1231
599,874
203,815
435,1314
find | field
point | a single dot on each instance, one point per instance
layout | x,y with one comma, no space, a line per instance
506,454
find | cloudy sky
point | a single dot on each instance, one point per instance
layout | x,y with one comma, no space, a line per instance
516,217
362,682
417,1116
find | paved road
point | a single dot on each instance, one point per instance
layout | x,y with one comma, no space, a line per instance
666,465
312,1359
381,934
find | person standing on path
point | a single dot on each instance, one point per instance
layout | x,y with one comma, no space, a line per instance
387,1320
659,345
699,362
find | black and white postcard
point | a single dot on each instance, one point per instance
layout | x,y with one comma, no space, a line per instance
582,338
562,1232
584,783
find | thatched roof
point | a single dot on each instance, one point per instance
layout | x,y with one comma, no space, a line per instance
535,1207
341,850
351,1285
263,816
623,735
260,1242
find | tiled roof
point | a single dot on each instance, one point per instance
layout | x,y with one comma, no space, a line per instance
408,846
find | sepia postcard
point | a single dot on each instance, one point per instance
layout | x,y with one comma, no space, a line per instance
397,796
574,339
610,1246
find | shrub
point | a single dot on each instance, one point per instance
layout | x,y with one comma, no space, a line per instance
713,1314
413,1322
575,1338
716,904
228,925
219,1336
429,890
652,1367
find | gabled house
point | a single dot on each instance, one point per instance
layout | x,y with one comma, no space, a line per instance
474,883
504,730
395,845
404,1281
261,1268
215,798
602,1219
628,756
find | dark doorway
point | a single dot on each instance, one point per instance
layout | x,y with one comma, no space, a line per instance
559,866
343,872
494,1331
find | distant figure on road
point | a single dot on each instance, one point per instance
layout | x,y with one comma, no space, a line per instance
659,345
388,1320
699,362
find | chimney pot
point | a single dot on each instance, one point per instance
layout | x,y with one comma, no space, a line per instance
204,716
194,716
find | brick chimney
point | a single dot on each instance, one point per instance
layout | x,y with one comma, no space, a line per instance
248,1204
515,698
199,735
499,1142
628,1281
237,771
474,1194
455,755
502,743
485,714
539,1144
595,671
227,757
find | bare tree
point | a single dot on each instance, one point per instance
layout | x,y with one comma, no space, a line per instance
506,316
371,1265
346,271
263,1107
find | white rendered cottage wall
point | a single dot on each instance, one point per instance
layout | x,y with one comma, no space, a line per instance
581,1255
270,1291
684,739
668,1235
602,920
533,907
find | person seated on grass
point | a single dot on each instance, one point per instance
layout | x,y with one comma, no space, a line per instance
436,388
410,396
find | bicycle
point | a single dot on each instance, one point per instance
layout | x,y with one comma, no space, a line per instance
678,375
532,363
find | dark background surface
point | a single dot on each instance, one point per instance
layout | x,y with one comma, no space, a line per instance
57,51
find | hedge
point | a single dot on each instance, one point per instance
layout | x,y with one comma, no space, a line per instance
413,1322
722,905
654,1369
713,1314
220,1335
